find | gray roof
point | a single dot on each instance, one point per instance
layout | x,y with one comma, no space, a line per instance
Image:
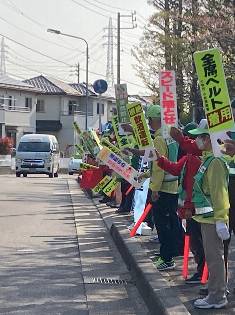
52,86
13,84
81,87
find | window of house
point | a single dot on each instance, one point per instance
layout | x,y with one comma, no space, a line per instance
100,109
29,103
40,106
1,99
11,102
73,107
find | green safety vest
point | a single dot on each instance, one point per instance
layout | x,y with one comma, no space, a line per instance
202,201
173,148
181,191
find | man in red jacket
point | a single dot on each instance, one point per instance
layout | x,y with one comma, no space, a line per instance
187,167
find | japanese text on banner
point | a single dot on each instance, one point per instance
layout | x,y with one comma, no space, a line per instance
168,101
121,101
110,187
214,90
123,141
139,126
119,166
100,186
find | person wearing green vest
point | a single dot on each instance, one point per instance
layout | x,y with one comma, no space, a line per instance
164,188
211,200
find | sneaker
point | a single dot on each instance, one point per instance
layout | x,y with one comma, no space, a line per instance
154,239
121,211
112,204
104,200
195,279
165,265
205,304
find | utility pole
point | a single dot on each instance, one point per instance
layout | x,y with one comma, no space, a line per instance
118,48
109,68
3,59
119,28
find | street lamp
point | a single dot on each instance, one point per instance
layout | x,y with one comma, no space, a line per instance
87,58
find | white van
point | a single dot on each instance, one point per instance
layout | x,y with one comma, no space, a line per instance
37,154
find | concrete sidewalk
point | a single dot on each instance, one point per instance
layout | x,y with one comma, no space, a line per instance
163,292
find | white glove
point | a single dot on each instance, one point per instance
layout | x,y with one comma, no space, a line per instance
222,230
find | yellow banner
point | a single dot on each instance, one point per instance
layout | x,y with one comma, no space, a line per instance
101,185
214,90
96,138
110,187
110,146
76,127
139,125
85,166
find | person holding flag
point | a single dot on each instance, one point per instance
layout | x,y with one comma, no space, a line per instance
211,200
164,195
186,167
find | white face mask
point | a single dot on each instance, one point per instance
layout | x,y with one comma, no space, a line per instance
200,143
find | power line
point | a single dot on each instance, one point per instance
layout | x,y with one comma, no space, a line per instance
97,6
59,61
34,35
94,10
34,50
90,9
113,7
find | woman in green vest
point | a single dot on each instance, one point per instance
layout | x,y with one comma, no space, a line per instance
210,196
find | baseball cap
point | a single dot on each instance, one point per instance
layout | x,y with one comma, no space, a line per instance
153,111
188,127
202,128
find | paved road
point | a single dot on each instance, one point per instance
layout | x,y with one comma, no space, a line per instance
41,270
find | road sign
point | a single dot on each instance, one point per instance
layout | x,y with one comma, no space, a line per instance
100,86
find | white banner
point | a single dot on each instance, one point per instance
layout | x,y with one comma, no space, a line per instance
168,101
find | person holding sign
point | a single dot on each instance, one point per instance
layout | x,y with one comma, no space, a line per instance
164,197
210,196
186,167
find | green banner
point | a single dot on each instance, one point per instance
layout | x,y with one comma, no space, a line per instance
121,102
139,125
85,166
214,91
123,141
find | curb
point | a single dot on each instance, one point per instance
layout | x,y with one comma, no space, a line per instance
158,295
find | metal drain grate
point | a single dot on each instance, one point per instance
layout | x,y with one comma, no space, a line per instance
99,280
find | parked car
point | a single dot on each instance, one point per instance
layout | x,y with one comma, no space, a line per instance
74,166
37,154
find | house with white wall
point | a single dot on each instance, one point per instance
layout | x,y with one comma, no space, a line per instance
60,104
17,108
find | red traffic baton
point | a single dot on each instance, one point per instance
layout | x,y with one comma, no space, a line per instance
141,219
186,256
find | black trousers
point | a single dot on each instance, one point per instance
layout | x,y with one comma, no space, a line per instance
126,204
196,244
168,225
